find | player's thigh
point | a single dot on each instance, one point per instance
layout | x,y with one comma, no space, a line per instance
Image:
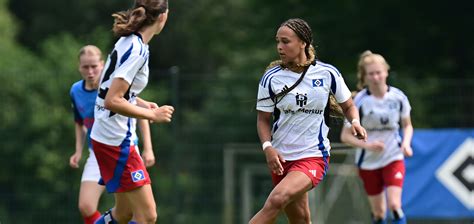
394,197
294,185
298,209
123,206
377,203
90,192
141,200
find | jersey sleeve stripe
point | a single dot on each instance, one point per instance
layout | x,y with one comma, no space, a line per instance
126,55
330,67
267,73
333,83
270,91
270,75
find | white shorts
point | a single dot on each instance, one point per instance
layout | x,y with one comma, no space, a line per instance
91,169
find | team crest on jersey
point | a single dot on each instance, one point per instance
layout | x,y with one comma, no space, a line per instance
301,99
318,82
138,175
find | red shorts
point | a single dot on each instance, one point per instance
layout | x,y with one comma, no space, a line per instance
121,167
314,167
392,174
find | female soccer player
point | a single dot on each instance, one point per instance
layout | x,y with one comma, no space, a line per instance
380,160
124,77
296,90
83,94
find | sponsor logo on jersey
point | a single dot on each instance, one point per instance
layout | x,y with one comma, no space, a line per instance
100,107
303,110
301,99
384,120
138,175
317,82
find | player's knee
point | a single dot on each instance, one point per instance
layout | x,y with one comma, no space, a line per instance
87,209
148,216
277,201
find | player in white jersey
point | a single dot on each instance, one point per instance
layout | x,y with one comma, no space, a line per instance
297,90
380,160
83,95
125,76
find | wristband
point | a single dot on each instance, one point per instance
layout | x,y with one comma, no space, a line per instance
266,145
355,121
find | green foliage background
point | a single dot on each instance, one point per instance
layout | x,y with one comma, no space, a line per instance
207,63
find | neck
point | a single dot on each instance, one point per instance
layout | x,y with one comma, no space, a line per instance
147,34
378,90
300,60
91,85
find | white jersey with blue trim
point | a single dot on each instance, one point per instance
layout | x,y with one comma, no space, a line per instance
381,117
128,61
299,128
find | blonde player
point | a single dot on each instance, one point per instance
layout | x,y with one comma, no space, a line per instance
380,160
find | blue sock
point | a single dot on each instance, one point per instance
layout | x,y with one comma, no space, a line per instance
132,222
398,217
106,218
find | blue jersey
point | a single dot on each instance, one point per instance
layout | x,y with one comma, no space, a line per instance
83,102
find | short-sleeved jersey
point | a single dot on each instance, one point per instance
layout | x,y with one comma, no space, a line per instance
83,102
128,61
381,118
299,129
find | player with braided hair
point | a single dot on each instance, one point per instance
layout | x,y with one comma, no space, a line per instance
296,90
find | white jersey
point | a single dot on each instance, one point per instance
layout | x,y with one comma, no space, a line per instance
128,61
381,118
299,128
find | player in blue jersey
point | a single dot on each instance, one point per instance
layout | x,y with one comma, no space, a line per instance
384,112
297,91
83,95
118,103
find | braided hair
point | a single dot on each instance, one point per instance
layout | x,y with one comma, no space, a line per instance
304,33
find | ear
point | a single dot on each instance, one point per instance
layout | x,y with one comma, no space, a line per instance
163,16
303,45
